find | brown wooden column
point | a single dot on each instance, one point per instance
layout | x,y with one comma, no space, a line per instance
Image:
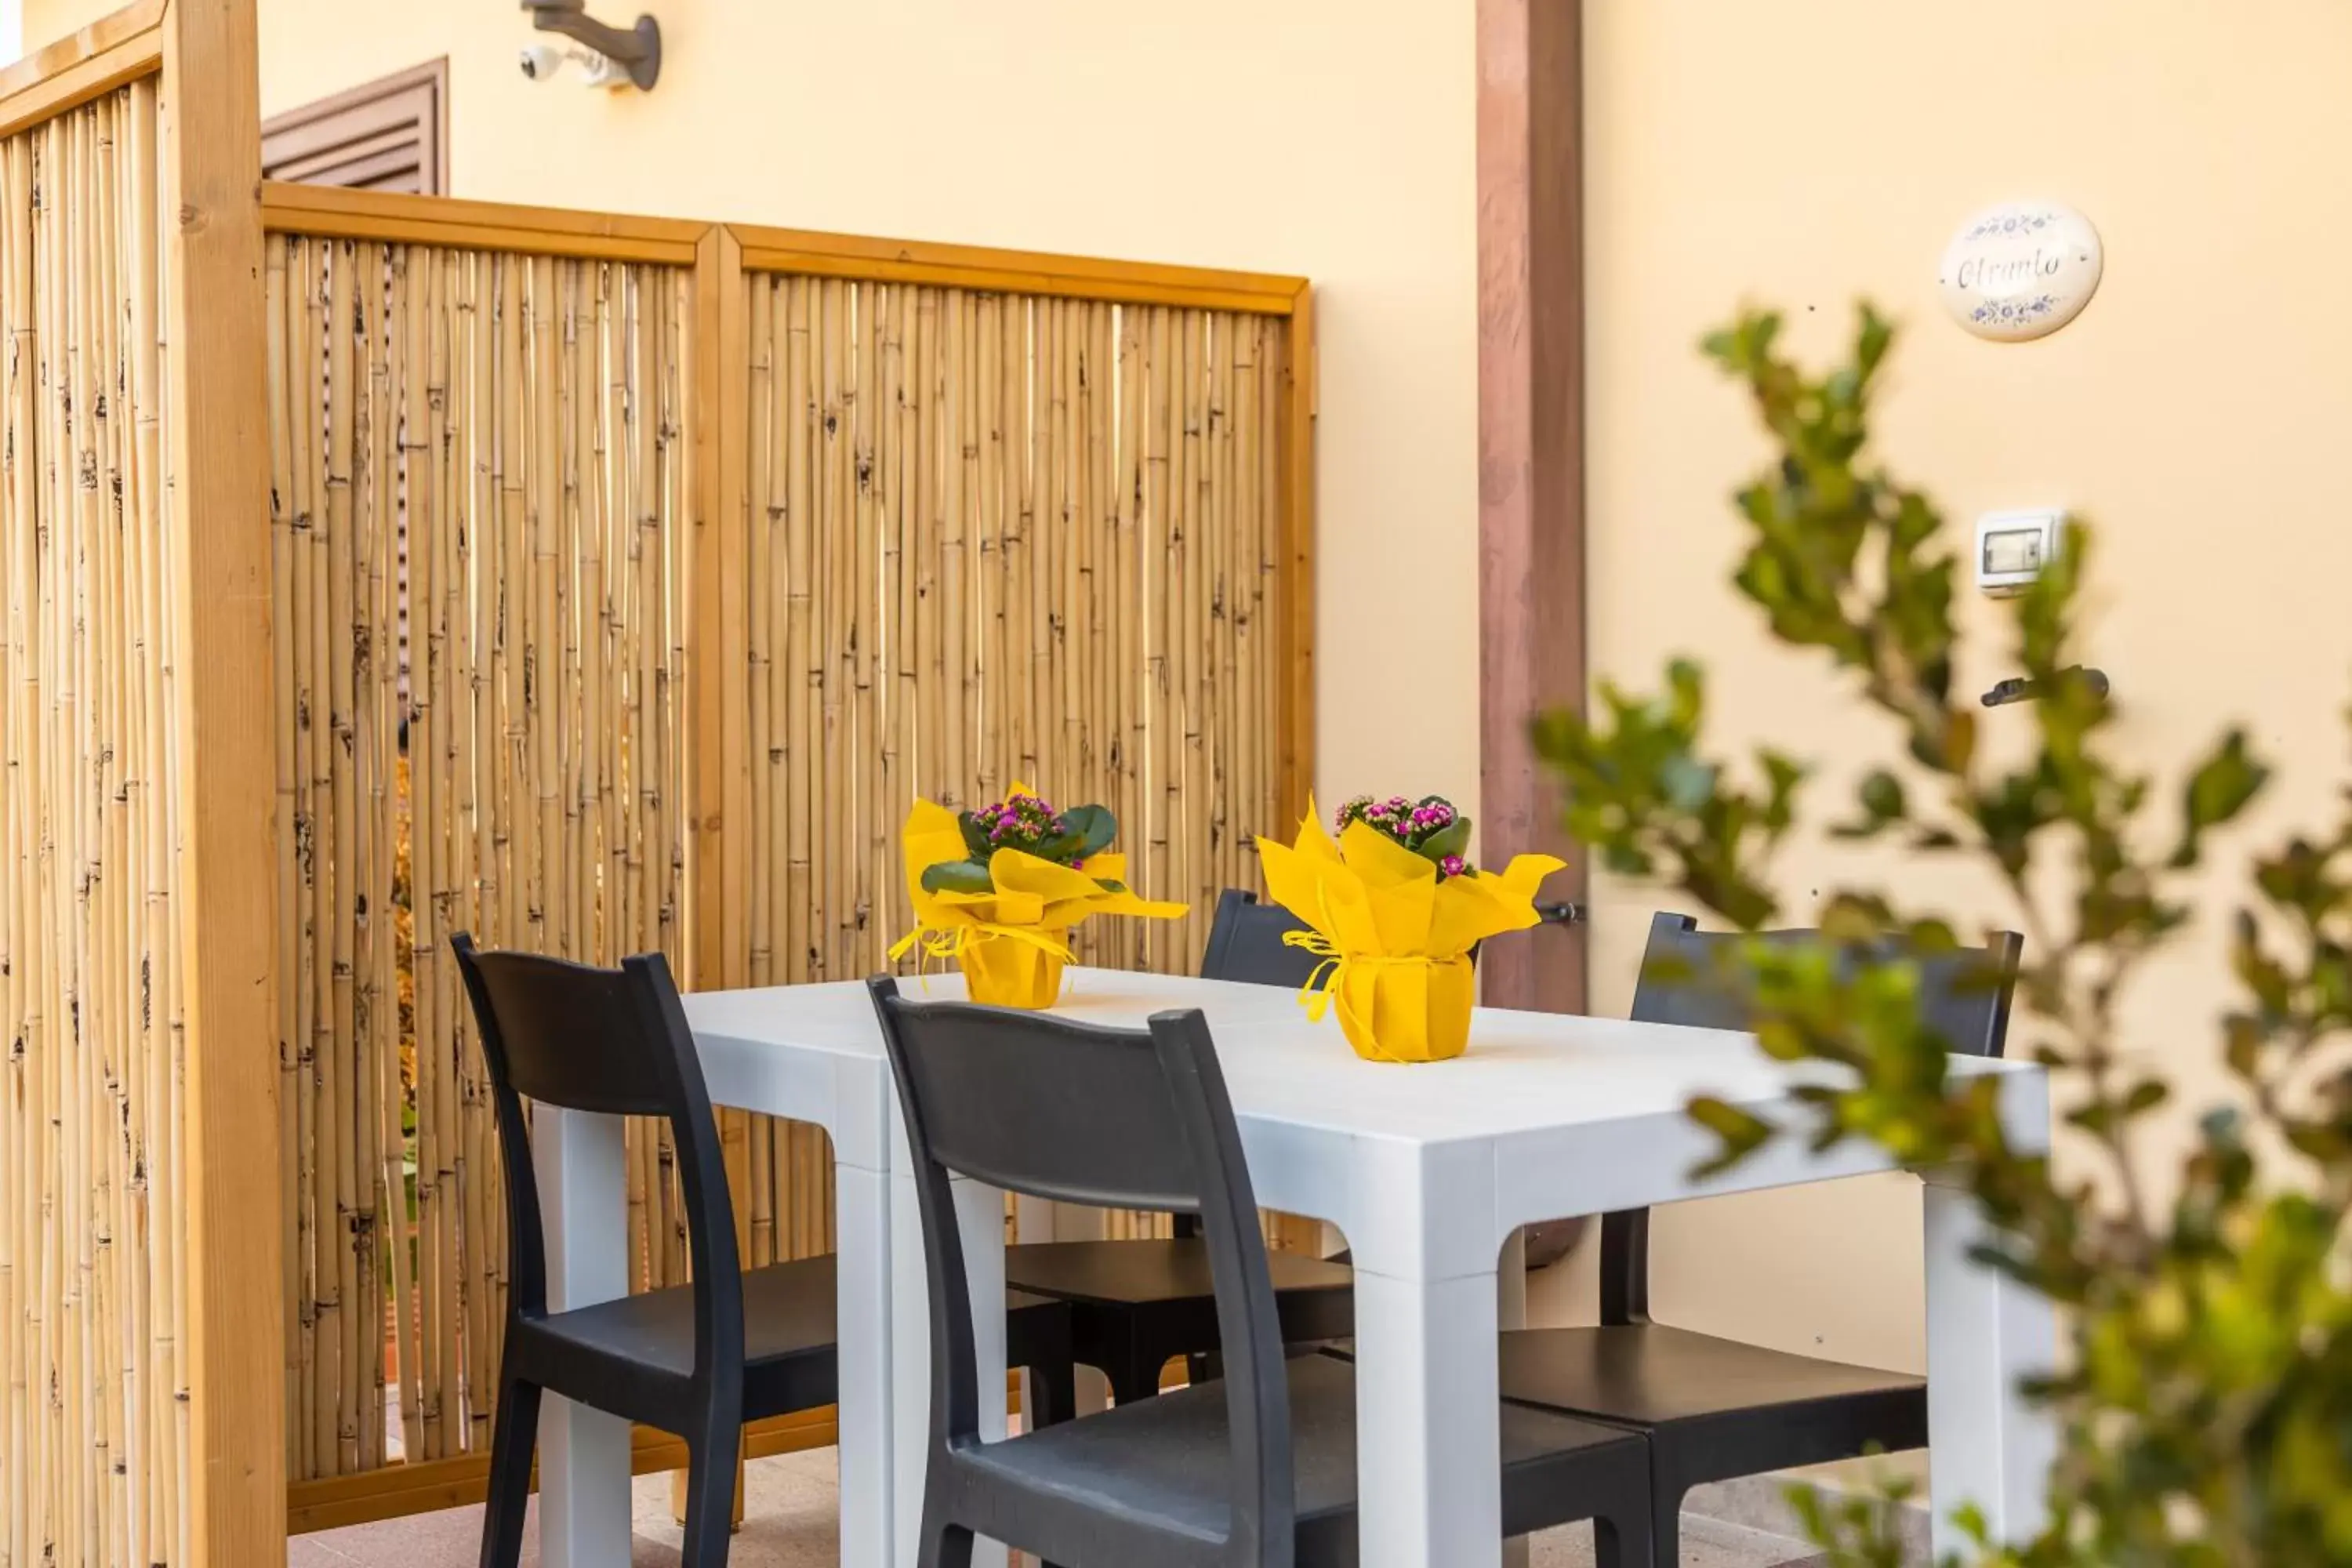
1531,583
216,448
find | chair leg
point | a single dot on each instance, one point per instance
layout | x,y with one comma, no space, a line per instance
1623,1541
1665,1525
1053,1393
1135,1381
511,1442
945,1546
710,1493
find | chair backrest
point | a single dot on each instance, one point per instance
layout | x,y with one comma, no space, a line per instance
1965,996
1112,1118
613,1041
1245,944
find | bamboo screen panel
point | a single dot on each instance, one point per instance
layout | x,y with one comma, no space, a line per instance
999,538
520,419
93,1439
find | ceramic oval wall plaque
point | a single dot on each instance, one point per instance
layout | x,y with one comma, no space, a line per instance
2021,270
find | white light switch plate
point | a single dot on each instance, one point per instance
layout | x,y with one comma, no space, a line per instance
2013,547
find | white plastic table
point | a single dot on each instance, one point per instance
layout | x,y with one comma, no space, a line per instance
1428,1171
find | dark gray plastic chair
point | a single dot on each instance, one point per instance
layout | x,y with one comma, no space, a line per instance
1716,1409
697,1360
1136,1305
1245,944
1255,1471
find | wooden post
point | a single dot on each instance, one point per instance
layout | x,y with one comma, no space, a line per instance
1530,460
1295,771
216,514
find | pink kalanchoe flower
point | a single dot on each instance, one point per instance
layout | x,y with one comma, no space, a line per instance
1453,866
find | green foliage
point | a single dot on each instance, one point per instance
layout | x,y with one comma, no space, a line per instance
1066,838
2207,1402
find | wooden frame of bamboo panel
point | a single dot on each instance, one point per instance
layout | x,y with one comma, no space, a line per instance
396,1491
218,457
334,213
121,47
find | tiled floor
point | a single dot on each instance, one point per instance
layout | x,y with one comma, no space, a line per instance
789,1523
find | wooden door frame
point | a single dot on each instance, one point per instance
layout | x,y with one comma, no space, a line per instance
1531,554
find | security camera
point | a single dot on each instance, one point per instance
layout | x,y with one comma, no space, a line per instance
542,61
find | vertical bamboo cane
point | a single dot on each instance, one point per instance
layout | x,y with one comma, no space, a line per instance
803,645
21,977
1020,539
1098,529
904,587
950,403
987,432
424,396
1191,639
1250,819
834,520
377,1035
1133,736
334,809
654,854
310,980
1047,427
1069,593
805,596
282,395
16,977
1164,433
1218,700
866,844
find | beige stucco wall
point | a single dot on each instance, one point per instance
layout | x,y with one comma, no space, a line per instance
1331,138
1806,151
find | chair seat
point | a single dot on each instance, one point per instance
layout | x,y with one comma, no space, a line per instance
789,1356
1166,1462
1650,1375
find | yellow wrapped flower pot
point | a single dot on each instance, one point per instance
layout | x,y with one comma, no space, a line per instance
999,889
1395,909
1014,969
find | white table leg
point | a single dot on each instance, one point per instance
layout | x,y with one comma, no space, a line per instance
980,1214
1511,1312
1985,1332
583,1454
1429,1458
862,1203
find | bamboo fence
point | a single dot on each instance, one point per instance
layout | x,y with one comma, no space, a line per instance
517,420
94,1434
827,536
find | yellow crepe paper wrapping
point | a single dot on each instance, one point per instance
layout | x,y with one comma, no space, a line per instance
1395,939
1013,941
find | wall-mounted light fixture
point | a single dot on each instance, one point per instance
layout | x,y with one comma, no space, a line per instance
635,50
